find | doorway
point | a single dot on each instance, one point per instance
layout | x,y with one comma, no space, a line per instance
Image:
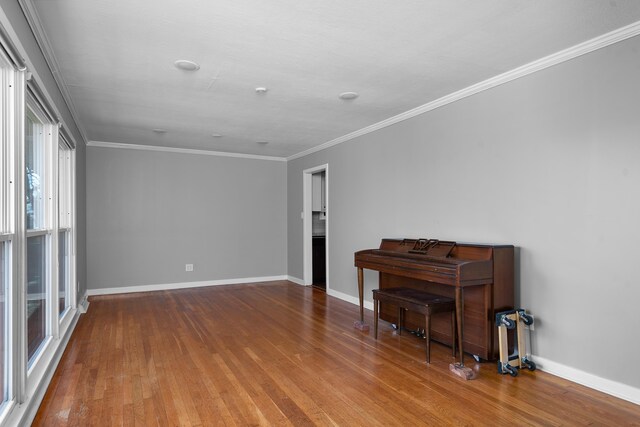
316,226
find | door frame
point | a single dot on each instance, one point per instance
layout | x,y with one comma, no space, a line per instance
307,223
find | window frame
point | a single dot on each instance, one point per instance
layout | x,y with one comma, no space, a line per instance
69,227
47,226
11,99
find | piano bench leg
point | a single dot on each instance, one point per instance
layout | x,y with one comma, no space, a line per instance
400,319
375,318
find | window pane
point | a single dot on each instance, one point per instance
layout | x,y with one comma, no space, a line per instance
4,160
64,190
4,208
4,280
63,271
36,293
34,152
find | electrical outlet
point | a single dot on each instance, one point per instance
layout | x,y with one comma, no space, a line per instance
188,267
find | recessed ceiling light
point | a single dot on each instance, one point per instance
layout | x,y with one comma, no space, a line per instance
186,65
158,130
261,90
348,95
216,135
262,142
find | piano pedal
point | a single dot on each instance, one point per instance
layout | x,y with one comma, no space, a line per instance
420,333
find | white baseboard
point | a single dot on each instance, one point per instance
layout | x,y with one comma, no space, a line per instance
340,295
614,388
185,285
348,298
296,280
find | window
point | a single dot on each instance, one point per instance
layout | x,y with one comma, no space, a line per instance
63,272
37,171
4,282
36,236
34,156
7,225
36,293
64,226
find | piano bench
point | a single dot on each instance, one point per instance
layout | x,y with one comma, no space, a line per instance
420,302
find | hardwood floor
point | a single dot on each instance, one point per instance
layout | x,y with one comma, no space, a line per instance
281,354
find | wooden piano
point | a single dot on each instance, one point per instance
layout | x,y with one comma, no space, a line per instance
479,277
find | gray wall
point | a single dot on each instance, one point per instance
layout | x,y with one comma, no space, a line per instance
549,163
18,22
150,213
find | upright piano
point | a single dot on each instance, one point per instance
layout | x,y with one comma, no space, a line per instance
479,277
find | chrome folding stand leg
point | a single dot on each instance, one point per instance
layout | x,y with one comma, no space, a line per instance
514,319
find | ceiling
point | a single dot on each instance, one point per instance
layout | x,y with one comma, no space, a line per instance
115,62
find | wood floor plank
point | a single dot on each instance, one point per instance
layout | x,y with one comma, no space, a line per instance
281,354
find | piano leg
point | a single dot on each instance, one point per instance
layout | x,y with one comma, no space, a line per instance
459,368
427,333
361,293
359,324
453,333
460,320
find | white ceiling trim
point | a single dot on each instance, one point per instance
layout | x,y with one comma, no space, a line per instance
104,144
33,19
564,55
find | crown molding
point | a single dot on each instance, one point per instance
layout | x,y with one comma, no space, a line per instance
588,46
104,144
33,19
